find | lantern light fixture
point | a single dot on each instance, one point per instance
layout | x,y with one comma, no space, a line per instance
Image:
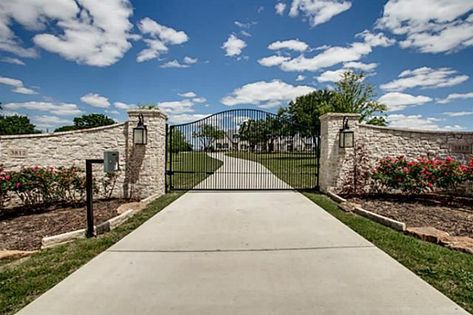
140,132
347,136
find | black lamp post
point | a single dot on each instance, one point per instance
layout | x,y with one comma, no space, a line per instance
347,136
140,132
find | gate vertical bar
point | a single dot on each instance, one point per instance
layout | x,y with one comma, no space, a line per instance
170,157
166,179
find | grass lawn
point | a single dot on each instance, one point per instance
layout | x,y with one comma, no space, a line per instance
190,168
21,281
297,169
449,271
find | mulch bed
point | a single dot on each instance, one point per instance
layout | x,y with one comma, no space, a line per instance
25,230
450,214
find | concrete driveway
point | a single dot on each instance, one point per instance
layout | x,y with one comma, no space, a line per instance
240,174
243,253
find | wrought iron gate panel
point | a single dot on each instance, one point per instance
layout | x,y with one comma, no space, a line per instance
241,149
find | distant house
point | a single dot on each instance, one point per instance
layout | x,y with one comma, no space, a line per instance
232,142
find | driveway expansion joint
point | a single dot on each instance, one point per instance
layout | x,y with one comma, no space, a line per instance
236,250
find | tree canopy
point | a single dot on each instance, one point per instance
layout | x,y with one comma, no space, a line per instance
16,125
177,142
207,135
88,121
352,94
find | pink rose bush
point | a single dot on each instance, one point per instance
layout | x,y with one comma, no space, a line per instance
43,185
421,175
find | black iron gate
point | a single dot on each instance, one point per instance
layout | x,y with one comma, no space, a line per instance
241,149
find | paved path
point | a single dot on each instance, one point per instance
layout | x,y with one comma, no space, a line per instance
241,174
243,253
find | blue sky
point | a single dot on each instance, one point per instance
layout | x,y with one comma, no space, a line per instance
63,58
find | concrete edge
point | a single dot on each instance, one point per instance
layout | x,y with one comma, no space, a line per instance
397,225
146,201
334,196
346,206
110,224
5,254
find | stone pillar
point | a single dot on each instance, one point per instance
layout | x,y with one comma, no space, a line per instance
334,161
146,163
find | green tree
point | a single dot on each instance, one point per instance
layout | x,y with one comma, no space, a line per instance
257,132
354,95
88,121
207,134
177,142
16,125
302,115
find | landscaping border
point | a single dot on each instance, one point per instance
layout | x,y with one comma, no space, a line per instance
429,234
350,207
107,226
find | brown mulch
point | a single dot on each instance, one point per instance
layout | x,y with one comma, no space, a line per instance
24,232
450,214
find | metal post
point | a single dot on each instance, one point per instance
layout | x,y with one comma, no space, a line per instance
166,141
170,158
89,195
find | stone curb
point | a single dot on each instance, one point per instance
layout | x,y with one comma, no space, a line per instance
351,207
428,234
397,225
110,224
4,254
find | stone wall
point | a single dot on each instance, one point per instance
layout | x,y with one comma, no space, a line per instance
374,143
141,167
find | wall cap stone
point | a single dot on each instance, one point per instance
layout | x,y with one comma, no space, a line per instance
147,112
422,131
338,115
62,133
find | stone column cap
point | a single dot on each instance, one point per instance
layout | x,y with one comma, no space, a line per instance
340,115
154,112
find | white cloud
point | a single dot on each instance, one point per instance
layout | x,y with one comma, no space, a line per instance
273,60
292,44
331,75
184,118
16,85
233,46
318,11
174,64
199,100
11,60
124,106
155,48
96,100
399,101
455,96
425,77
49,121
189,60
458,114
336,75
176,107
280,7
430,26
167,34
265,94
300,77
61,109
330,56
161,37
245,25
418,122
360,66
188,94
85,31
